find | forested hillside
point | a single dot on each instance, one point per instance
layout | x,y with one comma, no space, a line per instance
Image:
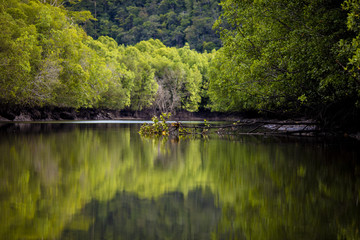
174,22
47,59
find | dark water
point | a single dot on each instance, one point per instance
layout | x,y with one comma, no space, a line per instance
102,181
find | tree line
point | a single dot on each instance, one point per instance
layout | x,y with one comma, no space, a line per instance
277,56
48,59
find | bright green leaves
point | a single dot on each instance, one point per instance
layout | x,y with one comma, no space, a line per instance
353,8
277,52
46,59
80,17
19,56
109,74
180,75
349,51
158,128
42,55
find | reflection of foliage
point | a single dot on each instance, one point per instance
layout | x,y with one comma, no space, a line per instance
47,182
171,216
43,183
284,192
266,190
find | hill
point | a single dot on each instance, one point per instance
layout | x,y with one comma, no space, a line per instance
174,22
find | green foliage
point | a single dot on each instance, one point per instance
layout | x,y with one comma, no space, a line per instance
175,23
144,84
277,54
349,53
108,68
180,73
43,57
158,128
47,59
19,54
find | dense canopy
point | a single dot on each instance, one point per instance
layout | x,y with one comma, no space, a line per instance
287,56
47,59
277,56
174,22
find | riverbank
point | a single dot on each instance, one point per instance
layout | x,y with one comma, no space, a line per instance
52,113
49,113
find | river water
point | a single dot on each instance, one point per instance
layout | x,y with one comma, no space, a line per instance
101,180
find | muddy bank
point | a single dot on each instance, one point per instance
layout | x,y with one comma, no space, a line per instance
24,114
54,113
50,113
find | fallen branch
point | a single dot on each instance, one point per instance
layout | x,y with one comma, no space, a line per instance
163,128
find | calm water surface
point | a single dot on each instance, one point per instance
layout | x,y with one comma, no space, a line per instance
103,181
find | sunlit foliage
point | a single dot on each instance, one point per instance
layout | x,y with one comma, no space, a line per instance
47,59
285,56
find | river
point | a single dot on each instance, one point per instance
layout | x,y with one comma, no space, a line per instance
101,180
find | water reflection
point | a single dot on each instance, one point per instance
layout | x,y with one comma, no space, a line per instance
170,216
102,181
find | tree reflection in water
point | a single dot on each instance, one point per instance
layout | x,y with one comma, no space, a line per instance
79,181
